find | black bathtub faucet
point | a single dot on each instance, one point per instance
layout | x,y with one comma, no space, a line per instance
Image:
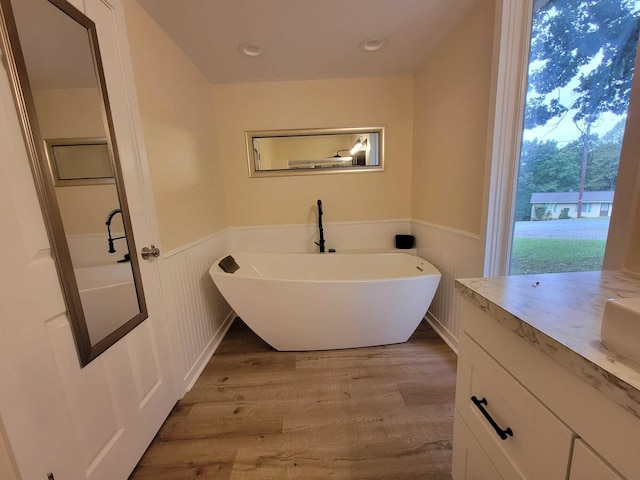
321,232
112,214
110,240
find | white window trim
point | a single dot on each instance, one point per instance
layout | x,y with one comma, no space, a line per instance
510,62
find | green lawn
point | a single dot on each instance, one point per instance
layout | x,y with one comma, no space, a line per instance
543,255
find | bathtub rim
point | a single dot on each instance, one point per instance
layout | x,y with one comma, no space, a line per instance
216,270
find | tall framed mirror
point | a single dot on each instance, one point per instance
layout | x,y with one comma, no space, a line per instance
53,57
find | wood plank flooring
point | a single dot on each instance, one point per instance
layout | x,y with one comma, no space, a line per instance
383,413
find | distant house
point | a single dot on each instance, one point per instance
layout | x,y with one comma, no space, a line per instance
548,206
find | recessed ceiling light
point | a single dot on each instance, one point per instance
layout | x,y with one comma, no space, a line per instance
250,49
373,44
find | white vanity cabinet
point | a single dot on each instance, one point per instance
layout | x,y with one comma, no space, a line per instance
523,430
558,425
588,465
472,463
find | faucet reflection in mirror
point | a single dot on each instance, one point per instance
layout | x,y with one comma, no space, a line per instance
111,239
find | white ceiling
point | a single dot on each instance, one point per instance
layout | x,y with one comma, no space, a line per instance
305,39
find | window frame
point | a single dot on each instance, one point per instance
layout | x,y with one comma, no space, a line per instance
512,37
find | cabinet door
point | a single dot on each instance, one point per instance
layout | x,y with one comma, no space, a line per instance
485,393
587,465
469,460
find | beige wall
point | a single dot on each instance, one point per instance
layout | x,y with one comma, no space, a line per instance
179,133
84,209
8,468
316,104
631,212
628,206
450,125
69,113
77,113
624,230
633,257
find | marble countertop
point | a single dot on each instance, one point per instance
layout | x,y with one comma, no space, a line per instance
561,314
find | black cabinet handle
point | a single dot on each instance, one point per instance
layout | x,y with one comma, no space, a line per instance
503,434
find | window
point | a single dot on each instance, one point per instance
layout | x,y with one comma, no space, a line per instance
581,63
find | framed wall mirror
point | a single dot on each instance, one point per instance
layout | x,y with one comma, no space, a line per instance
315,151
56,72
79,161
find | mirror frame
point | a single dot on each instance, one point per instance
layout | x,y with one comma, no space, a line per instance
54,170
250,135
35,145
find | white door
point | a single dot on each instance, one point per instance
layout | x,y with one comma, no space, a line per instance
77,423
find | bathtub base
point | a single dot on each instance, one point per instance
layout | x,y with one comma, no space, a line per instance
298,322
335,341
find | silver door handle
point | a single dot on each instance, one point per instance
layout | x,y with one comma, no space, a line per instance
147,252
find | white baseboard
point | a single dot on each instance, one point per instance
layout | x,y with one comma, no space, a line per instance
441,330
192,376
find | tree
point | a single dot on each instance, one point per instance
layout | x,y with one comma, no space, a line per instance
545,167
593,42
616,134
567,35
603,167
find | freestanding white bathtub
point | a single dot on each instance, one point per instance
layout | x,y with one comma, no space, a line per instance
311,301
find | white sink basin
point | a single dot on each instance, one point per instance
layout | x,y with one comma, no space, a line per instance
620,330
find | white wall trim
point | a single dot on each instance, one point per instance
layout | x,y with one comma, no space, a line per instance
441,330
326,224
464,233
196,370
195,243
298,238
228,230
511,46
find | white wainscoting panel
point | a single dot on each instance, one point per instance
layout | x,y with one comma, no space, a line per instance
456,254
197,314
93,249
300,238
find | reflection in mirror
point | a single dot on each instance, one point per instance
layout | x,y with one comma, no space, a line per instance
59,86
79,161
302,152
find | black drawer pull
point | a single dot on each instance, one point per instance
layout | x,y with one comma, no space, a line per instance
503,434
